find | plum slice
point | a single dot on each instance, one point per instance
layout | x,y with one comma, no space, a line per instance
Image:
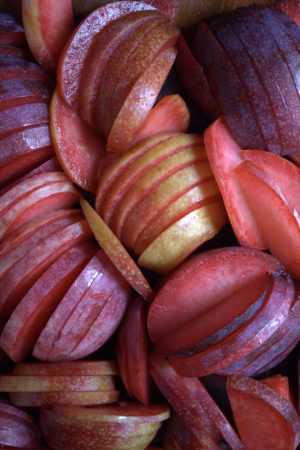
11,33
13,68
276,216
202,417
30,267
277,80
291,8
257,406
191,75
86,367
20,117
47,25
103,47
99,288
32,313
227,88
232,268
132,351
23,91
224,30
78,147
72,58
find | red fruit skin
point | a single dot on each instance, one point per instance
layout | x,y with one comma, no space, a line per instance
47,26
132,351
36,307
12,67
191,76
86,367
23,91
20,117
224,155
87,315
227,31
282,92
227,89
11,33
97,61
28,269
231,267
24,238
79,149
291,8
257,406
72,57
247,338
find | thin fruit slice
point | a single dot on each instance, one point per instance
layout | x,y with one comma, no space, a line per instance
84,367
87,315
79,148
26,322
169,114
116,252
132,352
76,398
73,55
129,120
258,407
28,269
19,68
113,166
11,33
18,92
20,117
181,238
188,291
224,155
45,383
277,220
47,25
98,57
187,389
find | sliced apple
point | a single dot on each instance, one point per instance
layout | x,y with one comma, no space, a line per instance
203,194
277,220
71,60
43,199
32,313
76,398
181,238
132,352
116,252
257,406
143,95
78,148
85,367
101,50
153,208
113,166
11,32
47,25
21,91
19,68
45,383
20,117
246,339
224,155
197,416
19,242
30,267
188,291
169,114
149,181
145,161
88,314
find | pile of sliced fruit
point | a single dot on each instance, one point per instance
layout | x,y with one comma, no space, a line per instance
149,268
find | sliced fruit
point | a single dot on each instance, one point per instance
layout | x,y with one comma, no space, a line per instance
85,367
20,117
129,120
257,406
11,33
34,310
78,148
181,238
116,252
72,57
47,25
